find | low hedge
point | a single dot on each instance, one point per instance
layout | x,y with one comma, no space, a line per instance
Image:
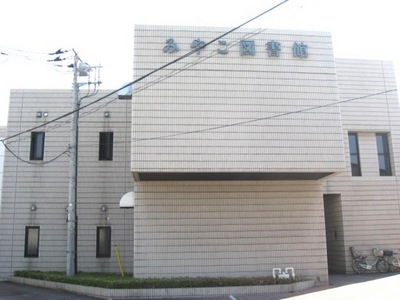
115,281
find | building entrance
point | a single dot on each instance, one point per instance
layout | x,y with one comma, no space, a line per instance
334,233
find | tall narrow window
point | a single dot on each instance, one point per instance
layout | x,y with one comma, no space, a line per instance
32,241
382,144
106,140
354,154
103,241
37,146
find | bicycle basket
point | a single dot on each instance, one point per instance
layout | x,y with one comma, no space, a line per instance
387,253
355,254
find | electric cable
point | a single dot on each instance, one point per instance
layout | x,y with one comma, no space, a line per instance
161,137
149,84
32,162
264,118
145,86
173,73
150,73
59,61
30,55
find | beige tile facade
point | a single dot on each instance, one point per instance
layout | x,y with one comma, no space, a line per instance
241,228
367,208
235,113
45,183
3,134
244,118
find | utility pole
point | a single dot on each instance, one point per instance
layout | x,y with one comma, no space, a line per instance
73,176
72,218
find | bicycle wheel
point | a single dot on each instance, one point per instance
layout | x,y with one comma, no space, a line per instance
382,266
394,263
357,265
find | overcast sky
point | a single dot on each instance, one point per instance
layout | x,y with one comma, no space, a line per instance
102,32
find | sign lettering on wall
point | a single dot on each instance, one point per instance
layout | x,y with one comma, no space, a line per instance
246,47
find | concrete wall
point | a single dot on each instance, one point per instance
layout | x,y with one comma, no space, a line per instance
45,183
370,203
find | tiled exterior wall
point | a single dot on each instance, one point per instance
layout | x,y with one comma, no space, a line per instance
215,112
229,228
46,186
231,113
370,203
3,134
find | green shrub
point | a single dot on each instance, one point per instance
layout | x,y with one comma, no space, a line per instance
115,281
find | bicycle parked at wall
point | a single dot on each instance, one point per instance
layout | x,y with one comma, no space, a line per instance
392,259
360,262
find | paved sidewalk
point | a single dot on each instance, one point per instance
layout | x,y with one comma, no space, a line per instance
342,287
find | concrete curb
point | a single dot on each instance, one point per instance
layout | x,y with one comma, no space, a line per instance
114,294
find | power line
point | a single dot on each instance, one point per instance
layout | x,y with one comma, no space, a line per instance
141,88
35,163
210,128
195,50
151,83
32,55
264,118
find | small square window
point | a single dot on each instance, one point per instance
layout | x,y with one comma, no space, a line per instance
106,141
103,241
37,146
32,234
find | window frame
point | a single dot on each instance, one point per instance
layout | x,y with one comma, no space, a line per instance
106,145
37,145
103,243
385,154
31,241
355,168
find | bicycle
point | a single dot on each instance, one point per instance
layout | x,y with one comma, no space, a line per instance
392,259
360,263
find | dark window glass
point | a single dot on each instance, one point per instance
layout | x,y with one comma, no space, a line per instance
354,154
32,241
37,146
106,140
382,145
103,241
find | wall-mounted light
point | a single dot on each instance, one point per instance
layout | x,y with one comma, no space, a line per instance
106,114
103,208
42,114
33,207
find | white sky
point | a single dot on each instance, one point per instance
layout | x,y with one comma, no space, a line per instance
102,32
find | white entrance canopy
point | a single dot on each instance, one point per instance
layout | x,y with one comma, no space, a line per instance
127,200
